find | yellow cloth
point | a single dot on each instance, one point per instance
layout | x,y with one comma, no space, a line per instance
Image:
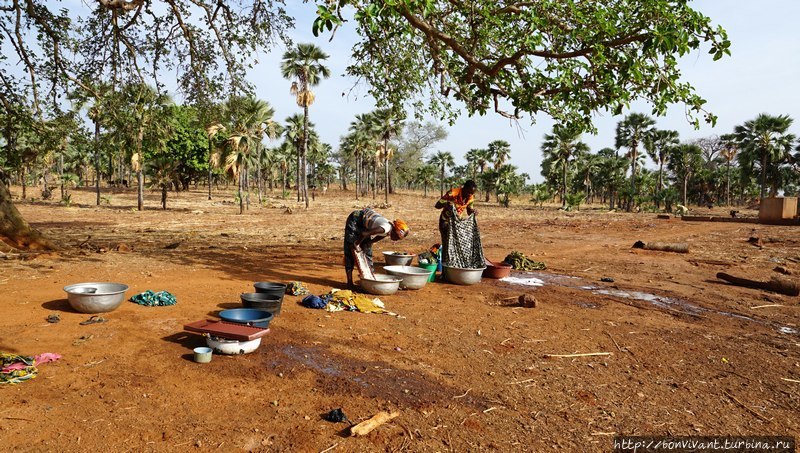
348,300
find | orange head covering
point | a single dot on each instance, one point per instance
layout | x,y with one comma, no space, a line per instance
400,227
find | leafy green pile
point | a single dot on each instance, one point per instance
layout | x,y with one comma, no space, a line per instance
519,261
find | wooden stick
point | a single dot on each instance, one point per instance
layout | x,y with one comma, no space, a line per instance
758,416
330,448
768,305
462,396
18,418
680,247
775,284
615,341
566,356
365,427
790,380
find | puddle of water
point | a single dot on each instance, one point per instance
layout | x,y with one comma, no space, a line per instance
531,281
658,301
540,279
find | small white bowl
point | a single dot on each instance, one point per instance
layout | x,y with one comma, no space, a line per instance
202,355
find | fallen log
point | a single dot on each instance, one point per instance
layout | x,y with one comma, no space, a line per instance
678,247
775,284
365,427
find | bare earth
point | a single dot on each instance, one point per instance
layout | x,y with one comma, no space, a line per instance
464,366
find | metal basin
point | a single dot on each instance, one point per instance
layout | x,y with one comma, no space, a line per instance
95,297
232,347
461,276
413,277
382,285
249,316
395,259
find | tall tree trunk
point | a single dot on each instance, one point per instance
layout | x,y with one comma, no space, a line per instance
241,191
97,160
297,176
728,184
61,173
305,152
763,175
386,170
14,230
283,187
564,187
140,167
660,182
24,184
163,196
635,153
210,151
685,185
441,183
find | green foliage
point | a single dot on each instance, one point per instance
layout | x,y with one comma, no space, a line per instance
565,59
765,146
188,144
574,201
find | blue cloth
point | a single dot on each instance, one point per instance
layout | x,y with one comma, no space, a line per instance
312,301
151,299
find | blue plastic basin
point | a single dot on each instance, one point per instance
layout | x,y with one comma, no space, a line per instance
250,316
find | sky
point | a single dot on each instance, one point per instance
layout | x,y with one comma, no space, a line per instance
758,77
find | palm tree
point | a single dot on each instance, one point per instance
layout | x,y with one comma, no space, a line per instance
729,151
303,65
294,135
387,123
684,161
630,133
361,136
161,171
250,119
211,132
426,175
657,143
561,147
765,140
500,151
139,115
442,160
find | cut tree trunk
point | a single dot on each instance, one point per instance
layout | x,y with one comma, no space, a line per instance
775,284
15,231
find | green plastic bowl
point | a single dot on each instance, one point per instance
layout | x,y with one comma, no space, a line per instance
430,267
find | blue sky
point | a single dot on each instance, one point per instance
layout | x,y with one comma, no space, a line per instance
759,77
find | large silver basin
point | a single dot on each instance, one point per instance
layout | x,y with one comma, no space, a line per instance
382,285
461,276
413,277
96,297
393,259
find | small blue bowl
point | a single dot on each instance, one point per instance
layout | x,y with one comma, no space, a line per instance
249,316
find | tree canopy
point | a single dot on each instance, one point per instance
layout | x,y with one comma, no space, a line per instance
565,58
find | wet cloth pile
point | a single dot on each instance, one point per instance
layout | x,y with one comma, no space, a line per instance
151,299
19,368
519,261
296,289
346,300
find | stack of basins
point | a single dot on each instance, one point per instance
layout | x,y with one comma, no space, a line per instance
268,297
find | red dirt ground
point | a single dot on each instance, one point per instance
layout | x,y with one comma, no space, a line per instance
464,366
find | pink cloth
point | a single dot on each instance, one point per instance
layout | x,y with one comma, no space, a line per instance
45,357
37,360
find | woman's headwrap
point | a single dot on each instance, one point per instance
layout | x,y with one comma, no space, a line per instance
400,227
